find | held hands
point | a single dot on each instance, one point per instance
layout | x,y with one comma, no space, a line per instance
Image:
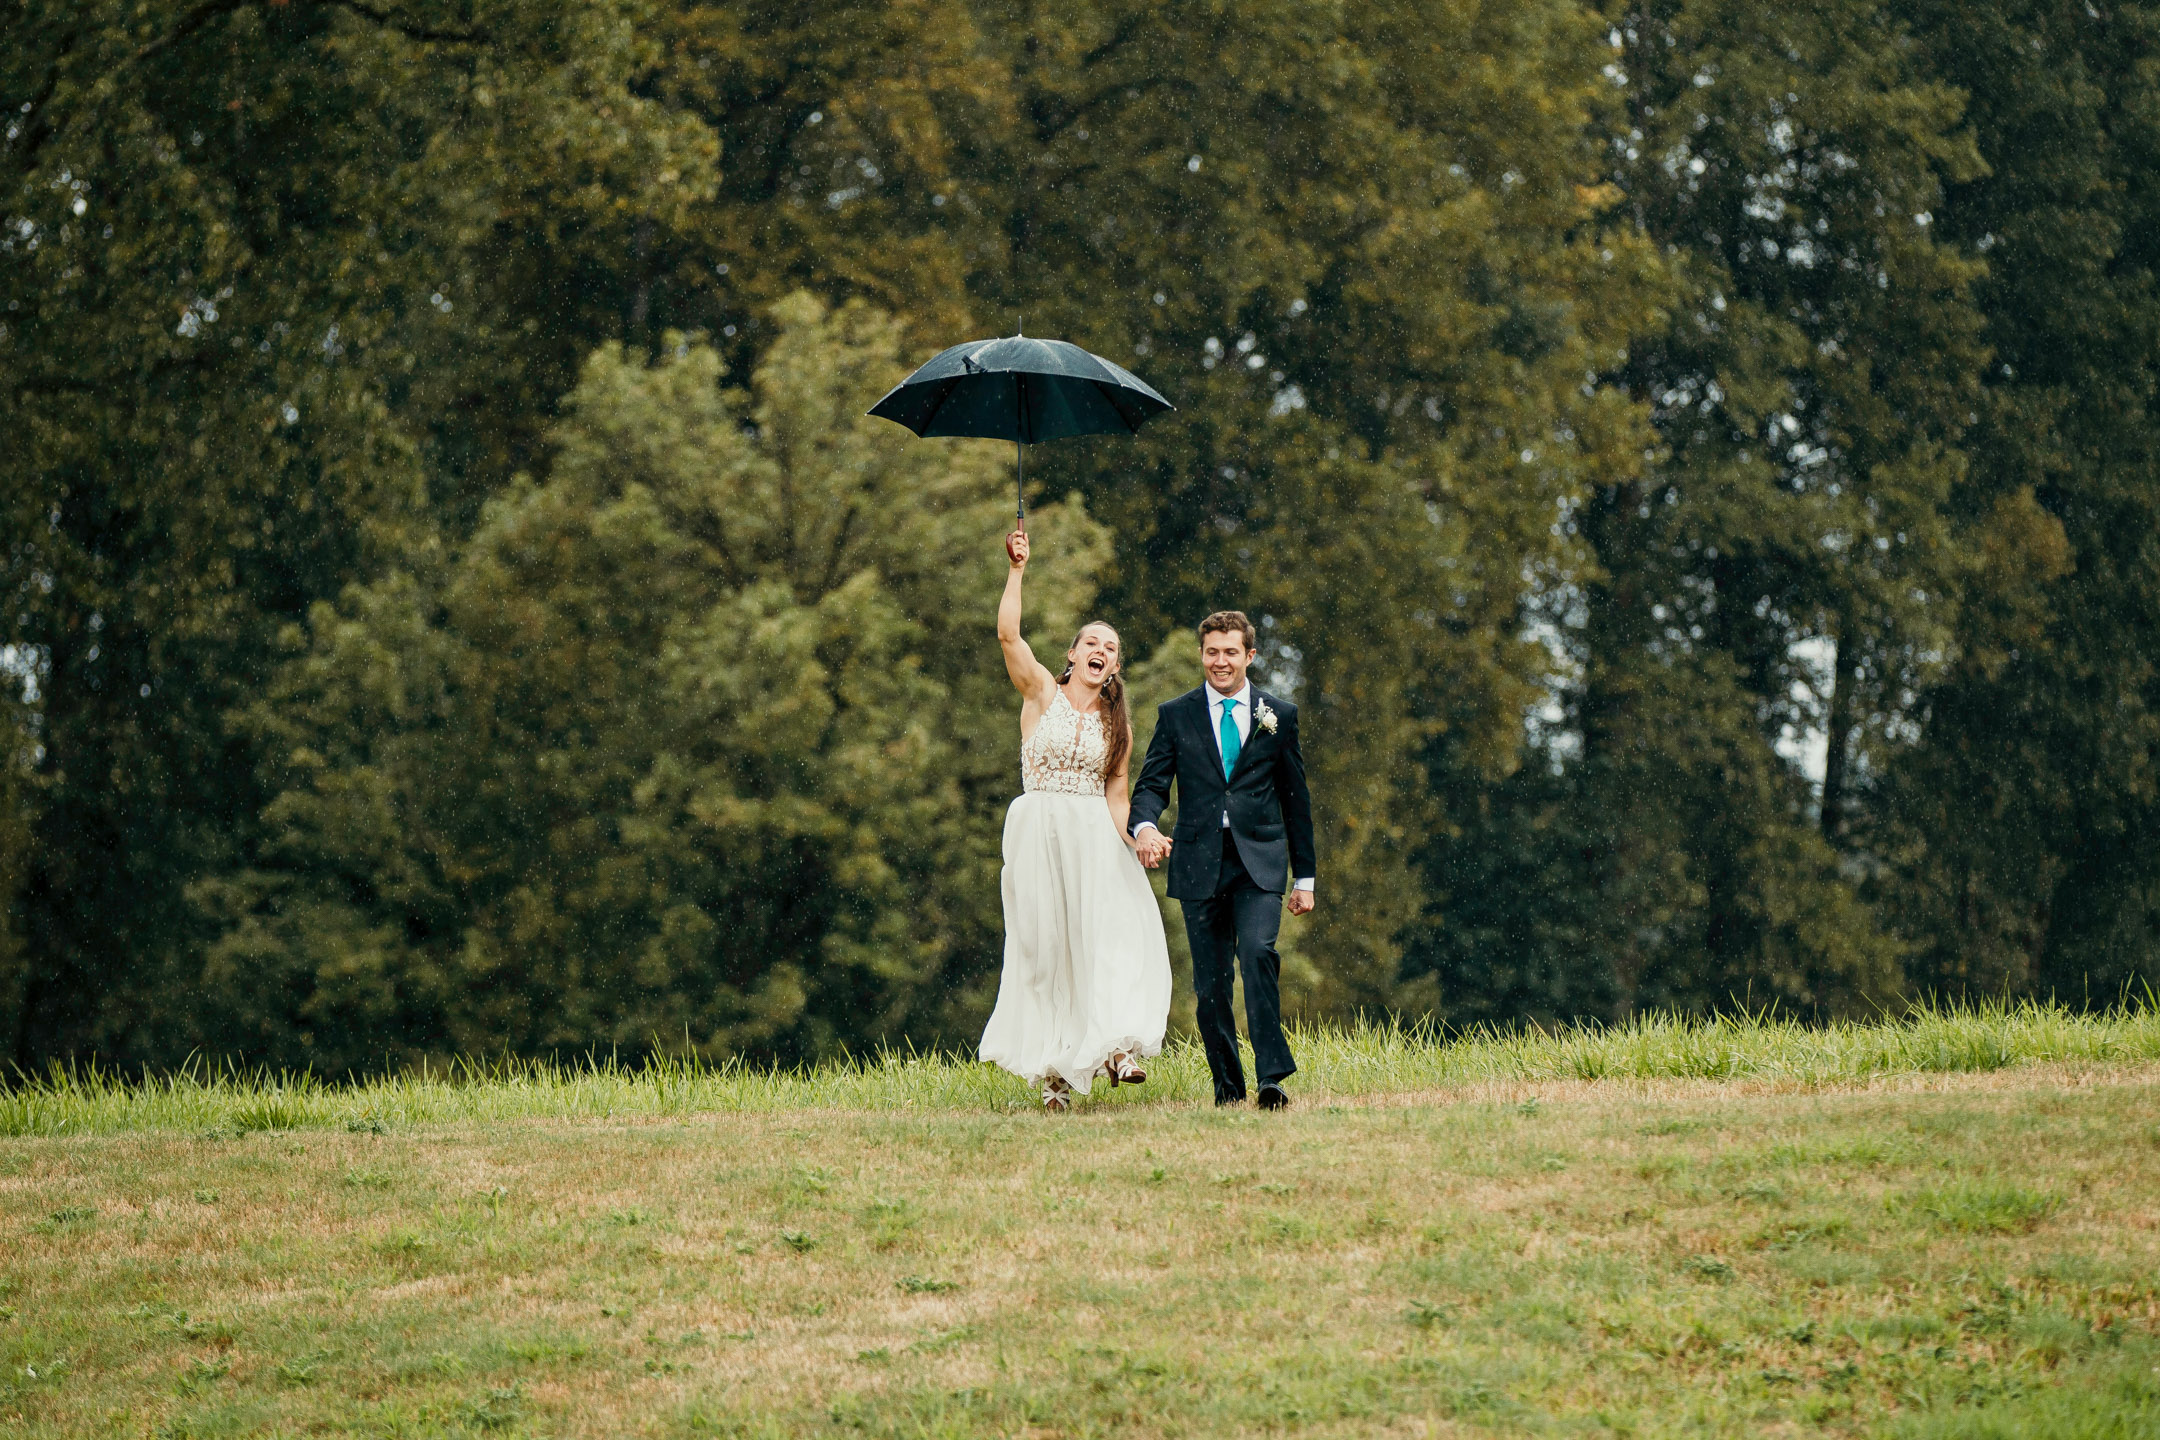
1016,549
1152,846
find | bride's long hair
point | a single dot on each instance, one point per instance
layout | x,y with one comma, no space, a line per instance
1116,712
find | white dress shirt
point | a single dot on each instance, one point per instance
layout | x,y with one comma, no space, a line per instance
1241,707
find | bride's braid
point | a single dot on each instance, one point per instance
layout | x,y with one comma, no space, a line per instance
1116,713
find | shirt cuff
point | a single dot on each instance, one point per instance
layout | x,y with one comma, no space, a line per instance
1305,885
1144,825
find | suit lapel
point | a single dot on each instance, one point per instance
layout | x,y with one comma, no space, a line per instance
1203,722
1201,710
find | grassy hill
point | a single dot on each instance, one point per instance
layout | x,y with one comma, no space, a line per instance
1947,1225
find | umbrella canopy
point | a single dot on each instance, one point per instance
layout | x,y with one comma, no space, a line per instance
1021,389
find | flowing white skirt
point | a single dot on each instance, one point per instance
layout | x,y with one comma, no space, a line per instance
1087,971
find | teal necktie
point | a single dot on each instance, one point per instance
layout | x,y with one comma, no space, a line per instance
1229,739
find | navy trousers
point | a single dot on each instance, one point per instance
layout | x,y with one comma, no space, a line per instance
1238,926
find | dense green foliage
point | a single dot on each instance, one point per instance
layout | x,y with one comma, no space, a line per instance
454,601
655,753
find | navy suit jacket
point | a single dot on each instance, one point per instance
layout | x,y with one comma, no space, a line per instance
1270,812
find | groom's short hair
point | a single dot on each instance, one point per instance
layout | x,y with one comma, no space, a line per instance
1222,622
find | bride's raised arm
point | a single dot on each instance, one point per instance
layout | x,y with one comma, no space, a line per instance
1028,675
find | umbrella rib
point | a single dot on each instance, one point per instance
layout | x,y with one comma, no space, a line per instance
1114,395
947,388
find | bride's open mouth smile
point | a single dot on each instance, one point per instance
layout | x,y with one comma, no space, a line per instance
1095,668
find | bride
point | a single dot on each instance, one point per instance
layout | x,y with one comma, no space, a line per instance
1086,985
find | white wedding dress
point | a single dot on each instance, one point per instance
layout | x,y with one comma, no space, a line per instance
1087,971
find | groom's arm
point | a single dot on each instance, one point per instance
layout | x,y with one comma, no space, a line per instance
1152,795
1296,806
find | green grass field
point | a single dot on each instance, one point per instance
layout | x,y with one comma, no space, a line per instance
1947,1225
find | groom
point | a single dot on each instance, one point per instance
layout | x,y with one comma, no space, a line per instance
1244,819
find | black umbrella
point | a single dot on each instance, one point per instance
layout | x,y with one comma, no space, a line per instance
1023,390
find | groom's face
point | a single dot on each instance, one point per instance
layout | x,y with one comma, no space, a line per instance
1225,659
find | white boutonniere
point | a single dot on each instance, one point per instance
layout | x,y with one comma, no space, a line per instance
1265,716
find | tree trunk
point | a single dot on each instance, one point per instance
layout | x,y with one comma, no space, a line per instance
1837,762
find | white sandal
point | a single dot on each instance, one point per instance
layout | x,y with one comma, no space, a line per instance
1124,1070
1056,1096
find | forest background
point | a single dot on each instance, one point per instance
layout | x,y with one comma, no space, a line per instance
1694,465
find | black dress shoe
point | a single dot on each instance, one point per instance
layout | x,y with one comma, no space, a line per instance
1222,1100
1274,1097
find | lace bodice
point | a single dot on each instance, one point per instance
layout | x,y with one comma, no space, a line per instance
1065,754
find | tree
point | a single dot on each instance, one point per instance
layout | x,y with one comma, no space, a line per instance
2026,816
1795,557
273,292
700,740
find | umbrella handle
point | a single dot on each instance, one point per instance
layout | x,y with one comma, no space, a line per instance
1020,494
